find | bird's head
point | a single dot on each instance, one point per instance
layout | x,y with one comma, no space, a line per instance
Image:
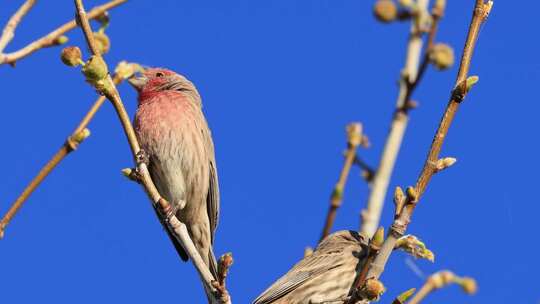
155,80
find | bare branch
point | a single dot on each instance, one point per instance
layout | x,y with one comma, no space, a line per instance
354,139
440,280
462,86
367,171
9,30
408,81
52,38
104,84
80,133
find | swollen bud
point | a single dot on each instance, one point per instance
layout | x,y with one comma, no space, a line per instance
442,56
399,196
103,43
378,238
81,135
103,18
444,163
399,200
127,172
471,80
354,134
469,285
404,296
95,69
385,11
71,56
412,194
60,40
373,289
125,70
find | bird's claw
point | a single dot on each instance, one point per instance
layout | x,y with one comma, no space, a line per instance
142,158
221,292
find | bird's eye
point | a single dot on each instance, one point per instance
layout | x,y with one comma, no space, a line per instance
159,74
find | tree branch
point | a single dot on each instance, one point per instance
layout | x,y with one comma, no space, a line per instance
9,30
408,81
52,38
440,280
462,86
106,86
354,139
80,133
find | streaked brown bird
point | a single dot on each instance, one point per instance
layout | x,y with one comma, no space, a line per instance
172,130
325,276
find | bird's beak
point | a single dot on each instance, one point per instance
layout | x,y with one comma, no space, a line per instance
138,82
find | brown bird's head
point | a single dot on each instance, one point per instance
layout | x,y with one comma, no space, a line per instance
156,80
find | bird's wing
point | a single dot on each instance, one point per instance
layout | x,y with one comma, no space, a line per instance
212,207
302,272
212,199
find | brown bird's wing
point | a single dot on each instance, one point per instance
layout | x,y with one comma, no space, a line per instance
212,199
302,272
212,207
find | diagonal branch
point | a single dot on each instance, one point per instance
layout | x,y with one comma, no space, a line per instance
80,133
431,166
106,86
9,30
52,38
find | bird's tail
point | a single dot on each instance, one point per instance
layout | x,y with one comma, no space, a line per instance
212,266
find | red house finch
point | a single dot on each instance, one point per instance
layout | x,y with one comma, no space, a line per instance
172,130
325,276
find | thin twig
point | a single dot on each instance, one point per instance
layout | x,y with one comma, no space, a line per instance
71,144
181,233
436,14
371,216
9,30
354,139
440,280
399,226
367,171
51,38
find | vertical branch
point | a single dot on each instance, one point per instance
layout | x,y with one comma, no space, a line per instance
371,215
354,139
432,163
9,30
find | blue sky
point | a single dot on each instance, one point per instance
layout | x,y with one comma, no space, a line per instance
279,79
